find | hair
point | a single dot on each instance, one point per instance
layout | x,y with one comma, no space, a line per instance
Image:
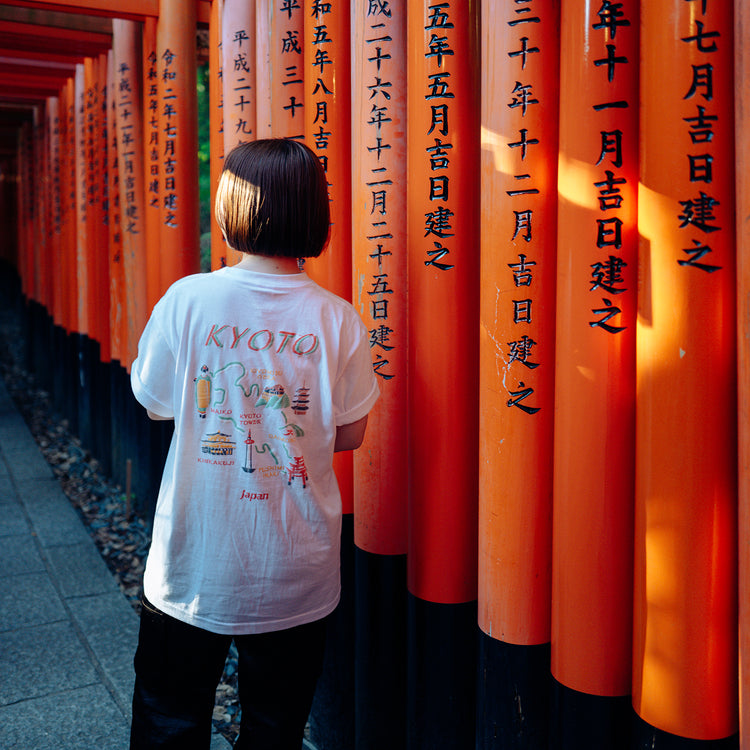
272,200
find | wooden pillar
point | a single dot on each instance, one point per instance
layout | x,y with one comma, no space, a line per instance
118,308
685,624
286,63
327,128
117,285
238,47
101,230
742,177
24,206
130,157
380,296
56,214
443,168
263,70
592,568
82,266
69,268
238,78
178,142
517,356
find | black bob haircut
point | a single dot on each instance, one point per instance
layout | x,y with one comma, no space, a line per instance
272,200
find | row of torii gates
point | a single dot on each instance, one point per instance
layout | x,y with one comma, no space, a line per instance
540,210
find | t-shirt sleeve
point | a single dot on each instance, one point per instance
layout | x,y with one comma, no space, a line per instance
356,389
152,373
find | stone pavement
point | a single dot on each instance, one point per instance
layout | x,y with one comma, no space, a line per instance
67,633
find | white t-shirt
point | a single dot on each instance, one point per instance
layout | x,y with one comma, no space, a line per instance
257,370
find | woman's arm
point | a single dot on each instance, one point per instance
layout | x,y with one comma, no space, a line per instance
350,436
157,417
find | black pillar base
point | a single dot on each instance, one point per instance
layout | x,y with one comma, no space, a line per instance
380,651
513,695
442,648
332,715
589,722
646,737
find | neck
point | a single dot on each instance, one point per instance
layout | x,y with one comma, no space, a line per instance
268,264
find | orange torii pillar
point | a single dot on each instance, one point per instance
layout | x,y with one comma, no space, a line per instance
238,45
742,158
327,127
41,305
67,391
592,566
36,304
118,301
443,167
287,66
98,240
238,73
216,127
131,155
685,623
152,162
89,208
381,468
84,271
178,141
55,105
130,158
517,371
25,246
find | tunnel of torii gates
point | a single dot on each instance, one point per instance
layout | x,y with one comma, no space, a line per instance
540,211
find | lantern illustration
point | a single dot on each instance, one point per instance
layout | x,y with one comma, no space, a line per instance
203,392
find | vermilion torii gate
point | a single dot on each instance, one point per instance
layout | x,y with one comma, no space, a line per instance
534,202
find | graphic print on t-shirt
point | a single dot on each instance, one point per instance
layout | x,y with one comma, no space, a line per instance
259,439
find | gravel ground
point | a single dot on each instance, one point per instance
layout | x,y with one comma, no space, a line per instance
122,537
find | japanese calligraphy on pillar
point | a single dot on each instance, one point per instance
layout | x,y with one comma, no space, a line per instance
287,93
169,133
439,219
238,72
153,156
91,106
385,106
114,187
607,281
697,216
80,131
128,132
327,118
522,353
55,167
321,72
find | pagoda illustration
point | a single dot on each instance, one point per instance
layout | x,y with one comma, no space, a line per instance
297,469
301,400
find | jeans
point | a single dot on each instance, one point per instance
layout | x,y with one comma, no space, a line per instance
178,667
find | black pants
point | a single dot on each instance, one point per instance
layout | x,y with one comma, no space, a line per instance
178,667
